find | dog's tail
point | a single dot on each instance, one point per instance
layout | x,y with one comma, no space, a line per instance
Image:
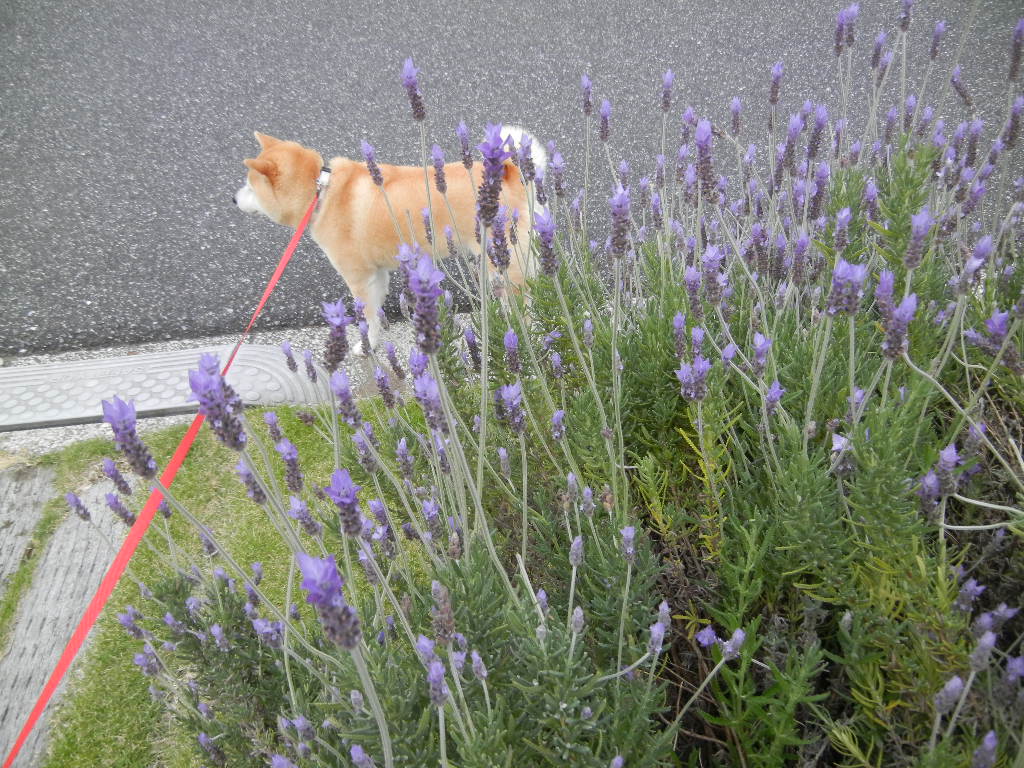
540,162
537,151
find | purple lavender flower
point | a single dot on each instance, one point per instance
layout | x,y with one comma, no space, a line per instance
960,89
359,757
773,92
707,637
587,90
120,415
702,137
731,647
337,341
147,661
119,509
410,81
904,18
558,425
323,583
969,592
544,224
847,287
947,698
735,109
762,345
985,755
435,679
347,407
268,632
619,203
773,397
556,170
937,35
693,378
920,225
77,506
129,620
289,358
290,456
605,113
576,552
1014,669
462,132
218,401
219,638
343,492
428,395
370,157
508,402
437,156
679,331
110,470
657,638
895,342
629,543
495,153
300,511
842,229
982,652
252,487
666,90
479,669
425,283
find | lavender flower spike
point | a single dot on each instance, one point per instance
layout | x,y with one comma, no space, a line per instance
323,583
895,342
343,492
629,543
606,113
544,224
920,225
410,80
77,506
773,93
370,156
666,90
847,287
425,283
620,221
437,156
120,415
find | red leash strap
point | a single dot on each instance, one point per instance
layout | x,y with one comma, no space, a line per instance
110,580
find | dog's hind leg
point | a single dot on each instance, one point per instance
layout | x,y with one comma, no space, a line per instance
376,292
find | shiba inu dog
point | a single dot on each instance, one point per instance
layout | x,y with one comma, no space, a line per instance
353,224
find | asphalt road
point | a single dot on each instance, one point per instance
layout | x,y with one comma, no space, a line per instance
124,124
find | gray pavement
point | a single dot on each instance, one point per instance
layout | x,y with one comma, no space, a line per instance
125,123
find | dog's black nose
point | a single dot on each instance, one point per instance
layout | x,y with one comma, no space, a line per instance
234,199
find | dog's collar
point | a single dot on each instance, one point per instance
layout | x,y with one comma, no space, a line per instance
323,179
321,184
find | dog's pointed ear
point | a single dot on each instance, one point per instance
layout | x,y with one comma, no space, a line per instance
260,165
265,140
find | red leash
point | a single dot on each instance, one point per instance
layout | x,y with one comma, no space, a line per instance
99,600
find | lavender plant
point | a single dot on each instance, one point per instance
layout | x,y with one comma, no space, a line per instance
742,487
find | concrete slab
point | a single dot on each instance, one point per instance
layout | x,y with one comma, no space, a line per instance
71,392
72,566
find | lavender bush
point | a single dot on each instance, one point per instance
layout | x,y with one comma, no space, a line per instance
739,485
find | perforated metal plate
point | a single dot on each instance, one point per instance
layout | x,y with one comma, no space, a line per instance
71,392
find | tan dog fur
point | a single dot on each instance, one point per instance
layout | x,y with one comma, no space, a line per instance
352,224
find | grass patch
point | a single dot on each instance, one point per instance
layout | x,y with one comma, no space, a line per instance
70,466
94,727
